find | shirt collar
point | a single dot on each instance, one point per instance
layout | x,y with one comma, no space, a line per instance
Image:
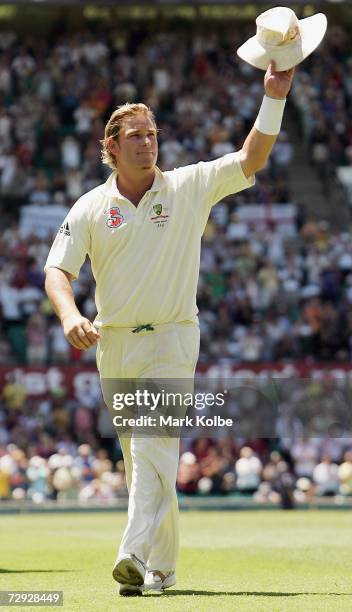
111,190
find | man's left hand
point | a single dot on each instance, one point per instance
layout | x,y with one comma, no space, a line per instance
278,84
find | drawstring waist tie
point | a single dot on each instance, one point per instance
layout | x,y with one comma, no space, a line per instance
140,328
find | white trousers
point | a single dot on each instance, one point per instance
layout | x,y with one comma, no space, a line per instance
169,352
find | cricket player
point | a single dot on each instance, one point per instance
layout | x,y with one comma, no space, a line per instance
142,231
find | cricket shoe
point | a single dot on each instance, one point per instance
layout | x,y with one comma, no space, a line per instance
159,581
129,572
130,590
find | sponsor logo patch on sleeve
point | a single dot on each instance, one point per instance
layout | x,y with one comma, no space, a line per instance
65,229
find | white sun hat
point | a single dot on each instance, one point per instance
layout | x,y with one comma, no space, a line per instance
284,38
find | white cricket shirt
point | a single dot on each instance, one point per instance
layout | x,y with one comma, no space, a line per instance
145,259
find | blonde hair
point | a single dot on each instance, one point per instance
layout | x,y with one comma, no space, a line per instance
114,125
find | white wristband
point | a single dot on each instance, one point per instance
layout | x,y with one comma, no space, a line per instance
270,116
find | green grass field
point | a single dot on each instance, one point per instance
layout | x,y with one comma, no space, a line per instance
272,561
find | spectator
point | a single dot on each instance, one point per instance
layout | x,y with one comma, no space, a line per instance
248,469
37,350
325,476
305,454
188,474
345,474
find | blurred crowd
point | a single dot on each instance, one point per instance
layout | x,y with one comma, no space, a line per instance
59,447
70,472
288,476
56,95
322,91
264,294
267,297
64,475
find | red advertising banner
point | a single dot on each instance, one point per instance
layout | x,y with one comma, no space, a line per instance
40,381
83,381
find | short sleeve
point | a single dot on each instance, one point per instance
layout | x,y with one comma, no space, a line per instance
222,177
206,183
72,242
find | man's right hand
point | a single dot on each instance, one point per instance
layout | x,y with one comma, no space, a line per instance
79,331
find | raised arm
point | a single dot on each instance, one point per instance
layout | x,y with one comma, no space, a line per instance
78,330
262,137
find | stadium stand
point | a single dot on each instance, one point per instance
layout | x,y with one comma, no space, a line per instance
275,282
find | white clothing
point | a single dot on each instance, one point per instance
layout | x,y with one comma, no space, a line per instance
170,351
146,260
10,300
